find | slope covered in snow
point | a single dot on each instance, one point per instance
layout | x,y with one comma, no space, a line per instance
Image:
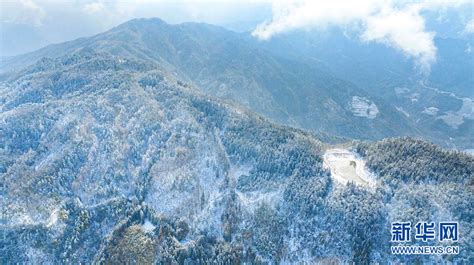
348,167
110,159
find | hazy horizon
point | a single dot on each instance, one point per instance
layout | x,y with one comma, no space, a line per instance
28,25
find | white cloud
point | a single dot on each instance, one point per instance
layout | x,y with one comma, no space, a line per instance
299,14
22,12
398,24
404,30
469,27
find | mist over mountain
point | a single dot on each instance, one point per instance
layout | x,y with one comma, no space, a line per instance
439,102
372,65
295,88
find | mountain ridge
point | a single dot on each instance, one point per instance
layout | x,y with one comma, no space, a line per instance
110,159
233,66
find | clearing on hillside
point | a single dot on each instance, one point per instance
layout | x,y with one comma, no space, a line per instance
347,166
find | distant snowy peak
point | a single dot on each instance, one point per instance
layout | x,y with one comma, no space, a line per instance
363,107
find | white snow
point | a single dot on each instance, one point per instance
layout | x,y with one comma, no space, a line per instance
453,118
53,218
456,118
148,227
346,166
431,111
403,111
253,199
469,151
363,107
401,90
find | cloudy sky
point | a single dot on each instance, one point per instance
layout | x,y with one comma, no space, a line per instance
402,25
398,24
30,24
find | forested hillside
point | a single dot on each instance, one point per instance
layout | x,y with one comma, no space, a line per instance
423,162
421,181
113,159
233,66
438,101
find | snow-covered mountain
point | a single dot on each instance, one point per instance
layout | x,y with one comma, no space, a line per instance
389,76
113,159
236,67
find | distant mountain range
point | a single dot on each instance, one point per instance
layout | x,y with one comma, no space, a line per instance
328,88
320,82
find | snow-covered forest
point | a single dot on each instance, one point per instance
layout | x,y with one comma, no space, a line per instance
110,159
